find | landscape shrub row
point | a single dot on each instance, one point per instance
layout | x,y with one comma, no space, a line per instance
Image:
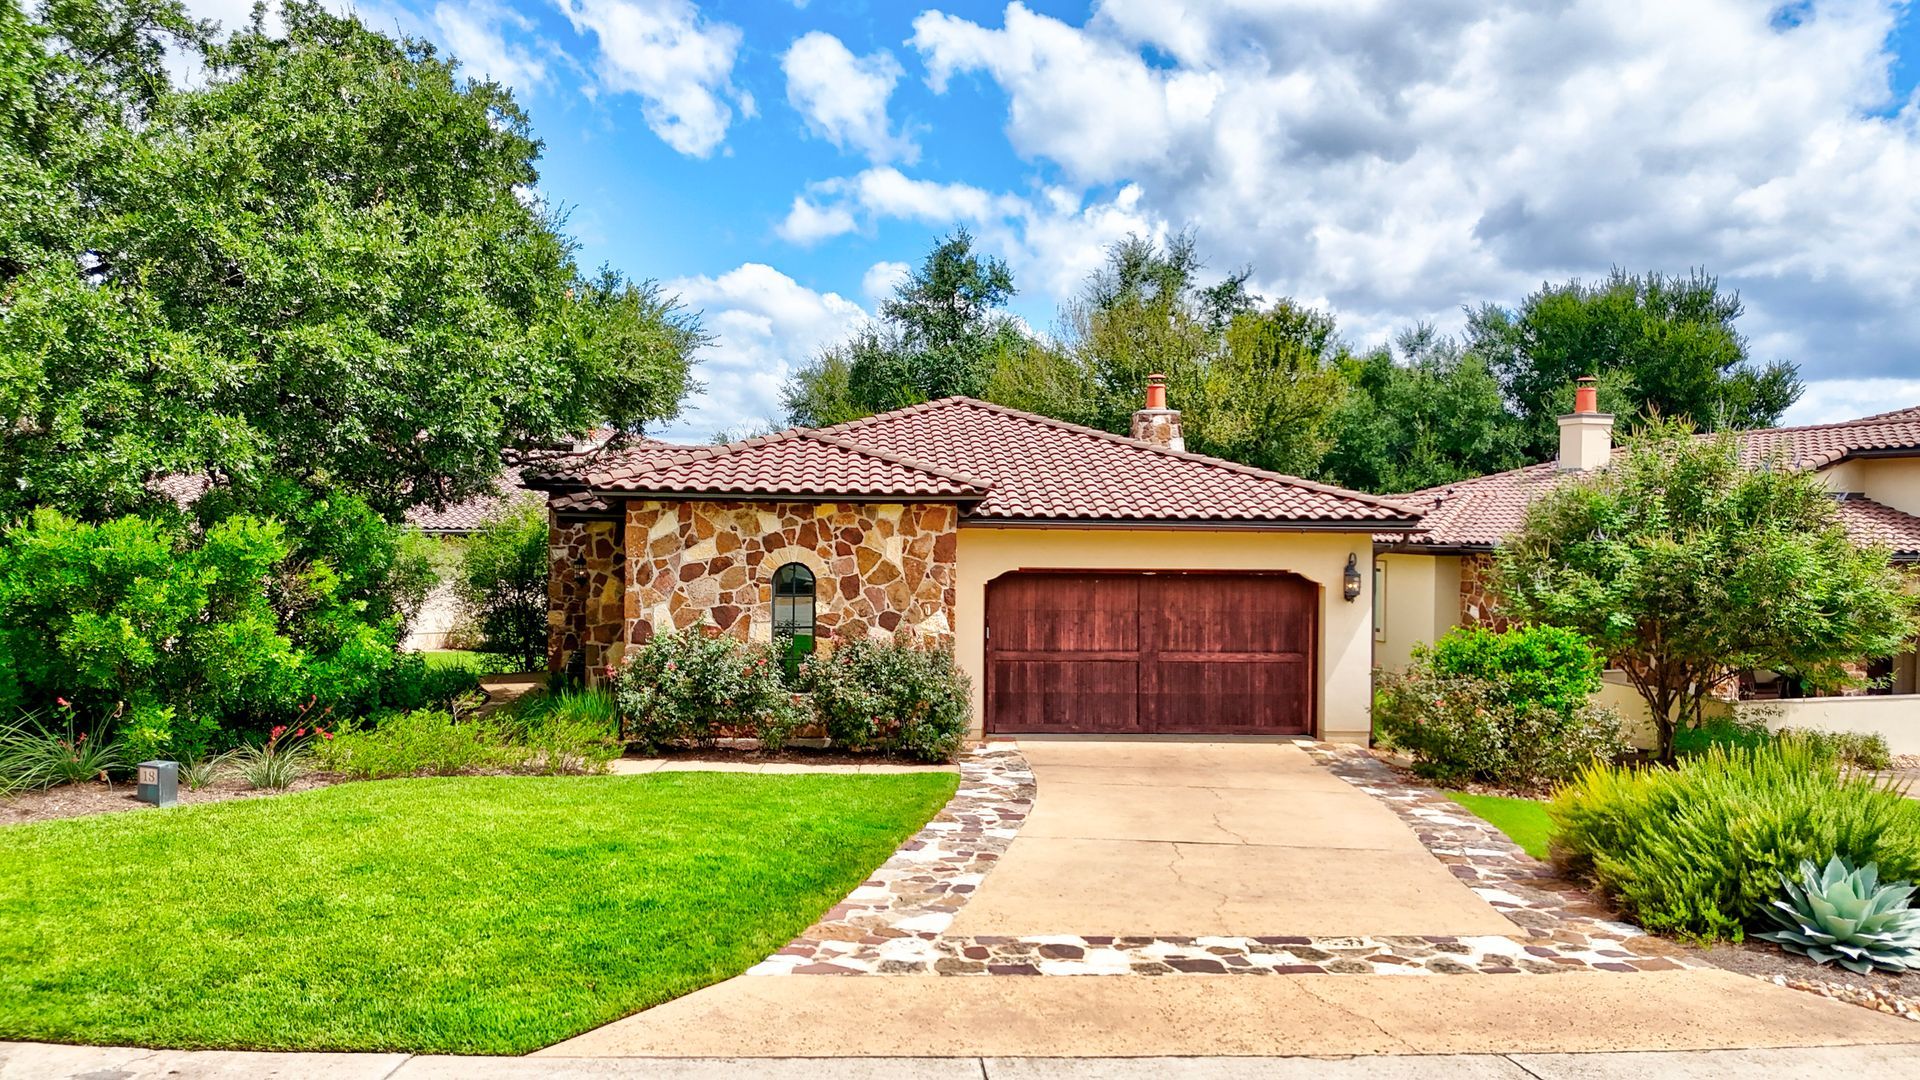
887,696
576,734
1701,849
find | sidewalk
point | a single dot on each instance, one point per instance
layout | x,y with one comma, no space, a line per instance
35,1061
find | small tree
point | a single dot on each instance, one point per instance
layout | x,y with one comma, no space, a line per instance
502,582
1685,567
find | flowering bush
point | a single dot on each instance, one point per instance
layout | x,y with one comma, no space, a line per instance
1458,727
685,687
890,696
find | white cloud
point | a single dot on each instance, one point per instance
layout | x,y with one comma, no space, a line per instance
844,97
808,223
1397,161
1829,401
764,324
679,63
476,33
881,279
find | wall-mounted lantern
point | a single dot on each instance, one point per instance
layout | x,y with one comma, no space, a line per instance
580,569
1352,578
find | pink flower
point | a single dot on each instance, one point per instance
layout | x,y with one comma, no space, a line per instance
63,703
299,733
671,665
277,732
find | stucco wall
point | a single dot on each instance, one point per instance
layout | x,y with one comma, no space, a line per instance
879,568
1893,481
1346,629
1895,716
1422,598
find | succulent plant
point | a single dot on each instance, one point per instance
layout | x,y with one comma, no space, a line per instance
1848,916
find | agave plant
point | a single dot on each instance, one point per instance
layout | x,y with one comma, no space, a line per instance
1848,916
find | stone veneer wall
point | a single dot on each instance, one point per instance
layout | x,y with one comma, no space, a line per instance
879,568
584,612
1478,607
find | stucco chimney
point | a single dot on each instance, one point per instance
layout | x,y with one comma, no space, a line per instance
1586,433
1156,423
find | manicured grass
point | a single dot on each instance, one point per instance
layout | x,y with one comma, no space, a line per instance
486,915
1524,821
477,662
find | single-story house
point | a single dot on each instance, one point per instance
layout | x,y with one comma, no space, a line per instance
1432,579
1088,582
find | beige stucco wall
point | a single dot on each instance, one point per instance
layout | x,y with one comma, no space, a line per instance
1896,716
1346,628
1893,481
1421,594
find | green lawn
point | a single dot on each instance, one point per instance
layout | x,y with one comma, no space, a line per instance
1524,821
477,662
464,915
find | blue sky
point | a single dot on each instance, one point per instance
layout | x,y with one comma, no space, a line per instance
775,162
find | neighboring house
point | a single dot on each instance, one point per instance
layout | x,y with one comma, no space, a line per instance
438,624
1429,581
1089,583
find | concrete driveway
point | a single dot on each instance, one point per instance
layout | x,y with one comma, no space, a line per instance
1191,838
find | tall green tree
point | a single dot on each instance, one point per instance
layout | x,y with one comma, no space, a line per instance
941,333
1255,382
1670,341
324,261
1421,414
1686,567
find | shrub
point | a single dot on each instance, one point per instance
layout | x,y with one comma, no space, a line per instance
502,582
1460,728
563,743
422,742
1528,665
592,706
1699,850
200,773
1859,749
685,687
890,696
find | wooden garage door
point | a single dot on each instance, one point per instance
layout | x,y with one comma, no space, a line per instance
1117,653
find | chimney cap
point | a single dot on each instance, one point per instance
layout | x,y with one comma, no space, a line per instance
1156,392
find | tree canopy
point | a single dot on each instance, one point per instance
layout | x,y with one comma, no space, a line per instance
1668,342
938,335
1686,567
325,260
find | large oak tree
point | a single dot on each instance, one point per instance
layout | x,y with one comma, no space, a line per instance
324,259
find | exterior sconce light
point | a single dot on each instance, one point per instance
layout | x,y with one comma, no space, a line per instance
580,569
1352,578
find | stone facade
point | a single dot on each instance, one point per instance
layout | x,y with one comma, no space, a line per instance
879,568
586,586
1478,607
1160,427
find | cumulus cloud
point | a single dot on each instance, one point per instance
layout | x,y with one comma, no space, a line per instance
843,97
881,279
677,62
1397,161
764,324
476,32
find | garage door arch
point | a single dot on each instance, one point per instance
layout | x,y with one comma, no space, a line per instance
1151,652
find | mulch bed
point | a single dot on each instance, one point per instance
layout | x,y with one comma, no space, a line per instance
82,800
751,754
1895,995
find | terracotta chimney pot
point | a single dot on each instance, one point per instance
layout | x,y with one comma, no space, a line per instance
1156,423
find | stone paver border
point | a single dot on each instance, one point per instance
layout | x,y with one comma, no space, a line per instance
895,922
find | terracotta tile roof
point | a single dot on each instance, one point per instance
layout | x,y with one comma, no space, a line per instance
1869,522
1043,469
792,463
1006,464
468,515
1478,512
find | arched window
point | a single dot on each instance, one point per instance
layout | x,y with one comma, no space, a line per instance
793,612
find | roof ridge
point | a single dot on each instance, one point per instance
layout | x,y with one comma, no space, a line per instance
693,454
1140,444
